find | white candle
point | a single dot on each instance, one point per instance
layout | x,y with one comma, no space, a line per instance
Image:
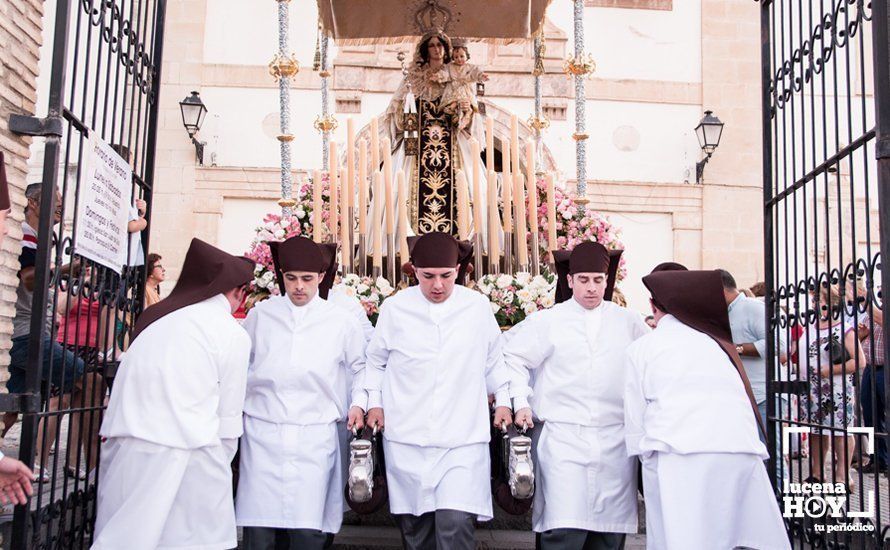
387,185
507,191
362,187
477,182
334,191
551,213
521,228
514,144
375,146
531,180
403,217
377,220
345,233
463,206
494,222
489,144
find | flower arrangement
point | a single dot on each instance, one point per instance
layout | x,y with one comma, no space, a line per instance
574,226
370,292
278,228
514,297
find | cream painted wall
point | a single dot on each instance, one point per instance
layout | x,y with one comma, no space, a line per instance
241,216
648,240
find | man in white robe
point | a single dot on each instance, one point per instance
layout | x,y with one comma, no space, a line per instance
688,417
433,360
306,373
586,494
173,422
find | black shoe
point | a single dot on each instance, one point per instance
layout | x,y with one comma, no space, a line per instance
874,467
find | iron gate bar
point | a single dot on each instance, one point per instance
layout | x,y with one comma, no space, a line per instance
116,52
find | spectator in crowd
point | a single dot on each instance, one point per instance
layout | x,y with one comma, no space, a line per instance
747,292
61,370
154,276
747,318
650,320
759,289
830,355
872,396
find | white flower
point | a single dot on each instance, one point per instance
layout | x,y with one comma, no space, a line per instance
547,301
504,281
384,287
484,288
300,213
352,279
349,291
524,295
279,233
508,297
268,276
362,288
530,308
270,227
566,215
495,308
523,278
539,282
258,269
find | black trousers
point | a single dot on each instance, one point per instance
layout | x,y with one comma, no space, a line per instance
439,530
270,538
578,539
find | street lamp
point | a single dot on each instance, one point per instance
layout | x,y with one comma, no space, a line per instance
193,113
708,131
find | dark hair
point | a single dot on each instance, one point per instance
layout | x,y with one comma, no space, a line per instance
461,47
151,263
425,45
728,280
122,150
759,289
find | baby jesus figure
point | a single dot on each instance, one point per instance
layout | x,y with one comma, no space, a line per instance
459,95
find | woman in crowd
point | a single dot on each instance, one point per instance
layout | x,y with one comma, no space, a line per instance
830,356
154,276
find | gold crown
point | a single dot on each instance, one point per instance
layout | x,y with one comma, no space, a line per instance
432,16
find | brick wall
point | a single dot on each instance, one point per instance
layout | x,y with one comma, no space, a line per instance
20,39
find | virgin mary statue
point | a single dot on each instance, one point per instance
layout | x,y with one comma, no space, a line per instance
444,138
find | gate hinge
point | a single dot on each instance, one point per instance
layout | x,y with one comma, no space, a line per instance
20,402
32,126
882,148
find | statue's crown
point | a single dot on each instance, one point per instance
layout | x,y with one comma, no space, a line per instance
431,16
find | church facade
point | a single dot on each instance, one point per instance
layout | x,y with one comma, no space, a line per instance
660,65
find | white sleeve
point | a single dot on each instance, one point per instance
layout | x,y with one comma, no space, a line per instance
523,351
498,378
354,361
634,404
376,357
233,385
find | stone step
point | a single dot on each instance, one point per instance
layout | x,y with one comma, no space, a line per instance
361,537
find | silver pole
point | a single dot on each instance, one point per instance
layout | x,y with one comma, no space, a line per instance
580,103
284,107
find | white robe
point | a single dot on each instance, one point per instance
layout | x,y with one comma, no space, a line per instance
690,421
172,426
306,368
435,365
585,479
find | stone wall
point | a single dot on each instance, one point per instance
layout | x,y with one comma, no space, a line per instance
20,39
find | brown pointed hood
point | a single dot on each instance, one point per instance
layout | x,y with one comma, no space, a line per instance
206,272
586,257
695,298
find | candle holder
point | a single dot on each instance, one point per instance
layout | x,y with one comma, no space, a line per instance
393,274
477,256
362,256
536,255
508,251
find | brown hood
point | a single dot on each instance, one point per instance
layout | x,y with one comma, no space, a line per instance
206,272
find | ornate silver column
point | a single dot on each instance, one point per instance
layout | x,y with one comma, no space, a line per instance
579,66
283,66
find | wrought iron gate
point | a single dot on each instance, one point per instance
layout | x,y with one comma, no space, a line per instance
826,172
105,79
